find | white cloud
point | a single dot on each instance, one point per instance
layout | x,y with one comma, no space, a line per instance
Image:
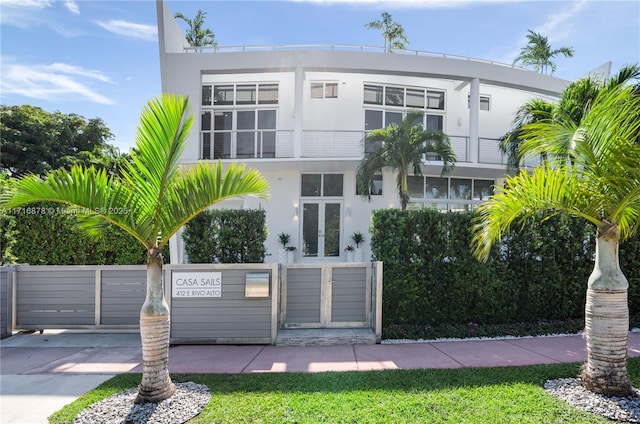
26,4
407,4
130,29
56,82
72,6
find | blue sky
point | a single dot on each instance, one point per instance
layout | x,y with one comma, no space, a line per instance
100,58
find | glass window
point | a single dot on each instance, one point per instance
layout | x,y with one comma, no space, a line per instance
435,99
373,94
460,188
223,121
268,94
436,188
482,189
394,96
393,118
267,119
372,120
206,145
223,95
205,121
415,98
485,102
206,95
317,90
331,90
435,122
246,94
246,120
222,145
415,186
375,189
332,185
311,185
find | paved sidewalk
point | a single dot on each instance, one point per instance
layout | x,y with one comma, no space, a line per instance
40,373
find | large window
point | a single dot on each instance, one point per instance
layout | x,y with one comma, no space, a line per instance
239,94
448,193
321,185
375,189
324,90
415,98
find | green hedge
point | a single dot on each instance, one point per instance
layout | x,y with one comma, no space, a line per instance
226,236
538,272
53,238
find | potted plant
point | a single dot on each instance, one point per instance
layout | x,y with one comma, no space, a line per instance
358,239
286,254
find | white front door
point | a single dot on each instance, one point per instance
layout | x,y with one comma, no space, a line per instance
321,229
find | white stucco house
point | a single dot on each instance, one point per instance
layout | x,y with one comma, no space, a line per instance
299,114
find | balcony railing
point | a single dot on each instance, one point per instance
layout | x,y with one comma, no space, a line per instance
340,47
279,144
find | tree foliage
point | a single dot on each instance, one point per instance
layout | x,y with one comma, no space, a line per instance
538,53
196,35
393,32
36,141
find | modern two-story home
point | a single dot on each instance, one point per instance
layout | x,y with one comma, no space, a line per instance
299,115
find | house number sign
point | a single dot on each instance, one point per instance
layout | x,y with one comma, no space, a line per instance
196,284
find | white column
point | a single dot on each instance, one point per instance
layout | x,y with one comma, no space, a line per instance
474,119
297,112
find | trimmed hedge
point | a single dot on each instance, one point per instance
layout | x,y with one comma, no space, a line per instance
538,272
53,238
226,236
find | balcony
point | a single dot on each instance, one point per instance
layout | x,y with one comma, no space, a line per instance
280,144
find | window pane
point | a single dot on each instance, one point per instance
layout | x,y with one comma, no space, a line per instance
223,121
205,121
372,120
373,94
460,188
222,145
484,103
332,229
268,94
436,188
416,186
223,95
332,185
393,118
375,189
394,96
482,189
435,100
268,145
435,122
206,145
247,120
267,119
317,90
311,184
246,95
331,90
245,145
310,228
206,95
415,98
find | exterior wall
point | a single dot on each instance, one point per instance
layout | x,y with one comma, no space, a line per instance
6,300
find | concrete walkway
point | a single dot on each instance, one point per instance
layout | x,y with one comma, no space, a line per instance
40,373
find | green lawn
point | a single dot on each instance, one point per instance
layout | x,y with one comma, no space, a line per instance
468,395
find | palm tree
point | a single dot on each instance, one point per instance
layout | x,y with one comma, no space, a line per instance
538,53
402,147
152,200
591,172
393,32
573,103
196,35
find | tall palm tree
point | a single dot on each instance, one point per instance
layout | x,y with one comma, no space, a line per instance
393,32
575,99
402,148
196,35
538,53
152,200
591,172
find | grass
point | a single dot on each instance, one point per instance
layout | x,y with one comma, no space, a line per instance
467,395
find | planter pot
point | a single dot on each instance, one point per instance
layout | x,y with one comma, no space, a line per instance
291,256
283,256
350,255
357,257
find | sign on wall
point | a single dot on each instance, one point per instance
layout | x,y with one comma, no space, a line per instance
196,284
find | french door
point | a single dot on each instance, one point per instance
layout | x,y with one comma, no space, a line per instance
321,229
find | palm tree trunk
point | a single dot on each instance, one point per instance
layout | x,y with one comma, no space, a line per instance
156,383
607,320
